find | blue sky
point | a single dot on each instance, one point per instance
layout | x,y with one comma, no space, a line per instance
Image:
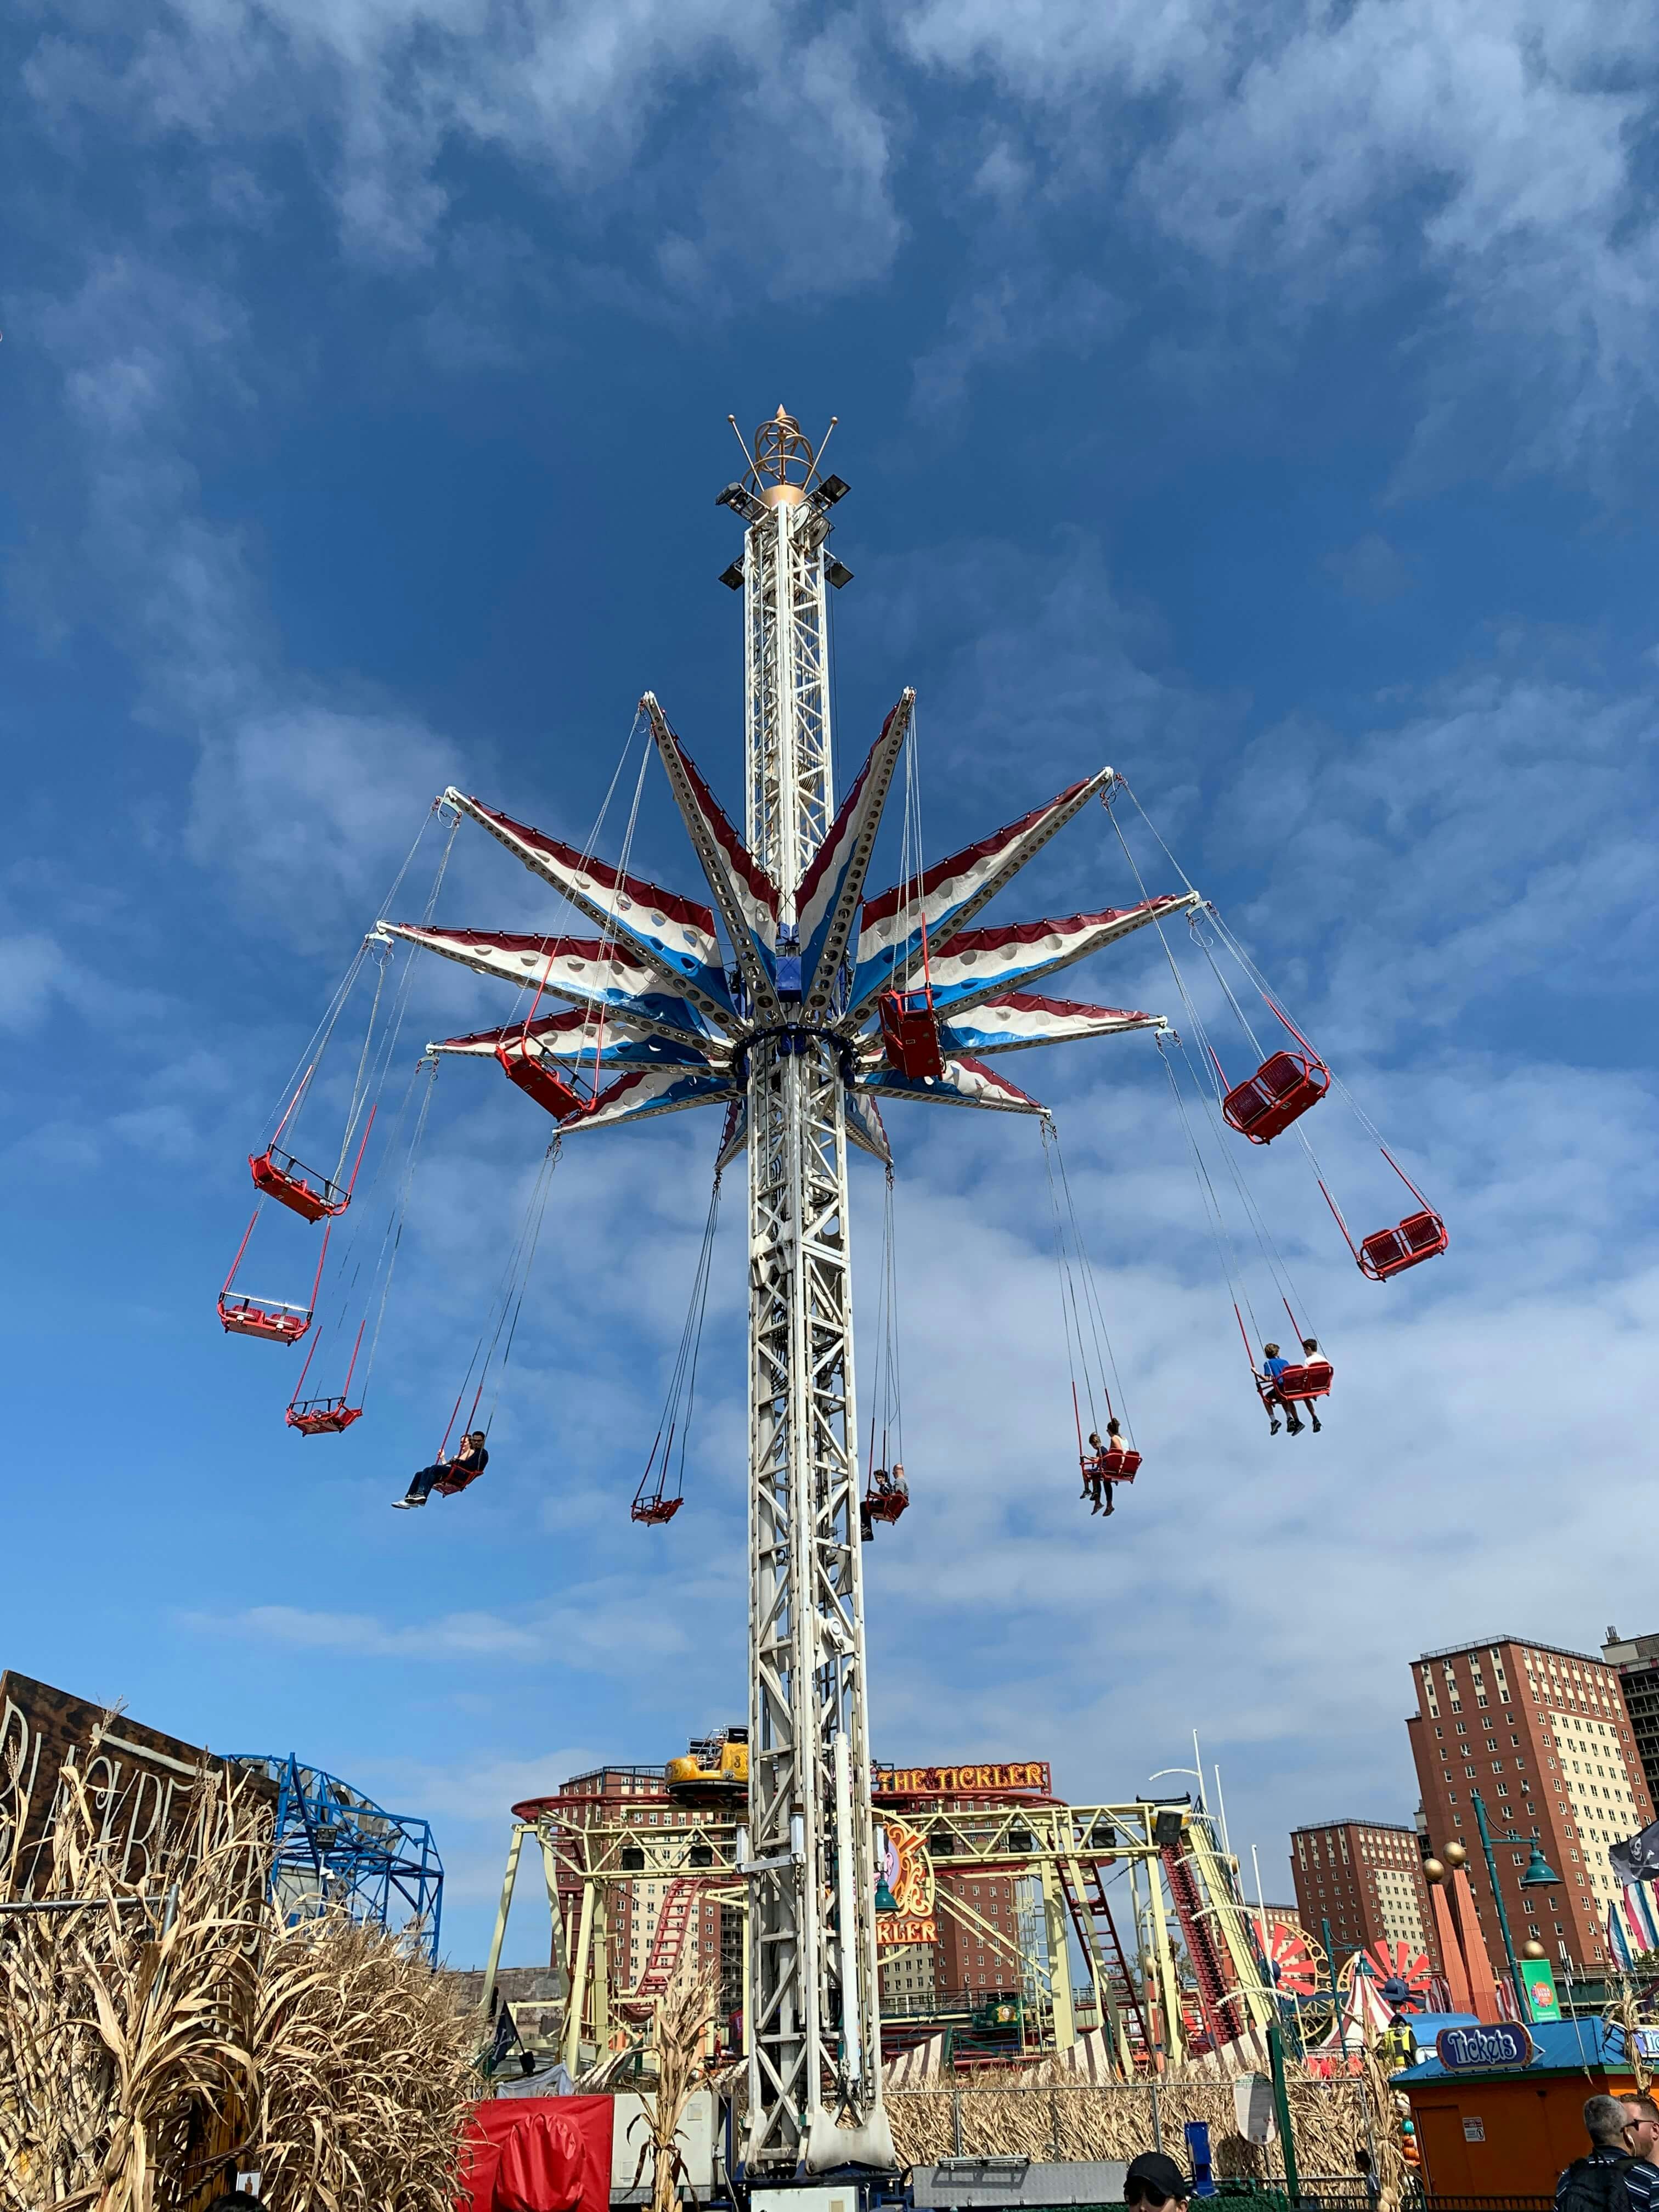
1261,400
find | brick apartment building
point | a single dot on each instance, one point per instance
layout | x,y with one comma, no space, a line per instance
1636,1658
1365,1879
1544,1734
973,1959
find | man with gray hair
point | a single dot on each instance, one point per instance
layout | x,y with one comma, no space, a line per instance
1613,2178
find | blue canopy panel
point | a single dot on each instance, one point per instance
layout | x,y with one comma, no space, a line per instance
745,893
827,903
1021,1020
964,1083
580,969
674,936
646,1091
982,965
581,1038
947,895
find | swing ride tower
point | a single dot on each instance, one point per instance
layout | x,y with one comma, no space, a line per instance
813,1989
798,1006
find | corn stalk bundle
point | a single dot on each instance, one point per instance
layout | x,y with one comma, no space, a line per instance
123,2020
685,2015
167,2029
363,2071
1044,2112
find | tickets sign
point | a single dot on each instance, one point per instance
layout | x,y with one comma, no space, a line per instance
1033,1774
1501,2047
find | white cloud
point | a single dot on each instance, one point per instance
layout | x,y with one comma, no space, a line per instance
32,970
1320,158
455,1635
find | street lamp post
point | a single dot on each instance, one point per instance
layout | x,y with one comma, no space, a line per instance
1540,1874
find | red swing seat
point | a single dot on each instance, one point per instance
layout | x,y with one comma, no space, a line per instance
279,1175
909,1035
1111,1466
654,1512
885,1505
1296,1385
1419,1237
451,1485
275,1322
322,1417
541,1082
1283,1087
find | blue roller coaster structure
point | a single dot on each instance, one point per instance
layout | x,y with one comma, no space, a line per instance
335,1847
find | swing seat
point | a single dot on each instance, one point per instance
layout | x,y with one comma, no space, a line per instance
885,1505
451,1485
1419,1237
1283,1088
537,1080
909,1035
1112,1466
654,1512
279,1175
322,1417
274,1322
1297,1384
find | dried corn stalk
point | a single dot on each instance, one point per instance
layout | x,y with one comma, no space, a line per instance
364,2073
680,2034
167,2029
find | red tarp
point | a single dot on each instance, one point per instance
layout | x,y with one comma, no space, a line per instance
538,2154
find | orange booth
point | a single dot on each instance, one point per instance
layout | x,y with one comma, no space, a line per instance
1498,2107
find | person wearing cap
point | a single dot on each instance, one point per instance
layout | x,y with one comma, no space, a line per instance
1154,2180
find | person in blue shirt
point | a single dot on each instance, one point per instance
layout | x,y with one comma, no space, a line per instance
1273,1366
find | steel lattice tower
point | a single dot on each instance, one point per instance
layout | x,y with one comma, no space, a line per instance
766,1004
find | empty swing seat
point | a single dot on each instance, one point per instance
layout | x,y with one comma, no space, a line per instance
1296,1385
279,1175
1112,1466
909,1035
654,1512
1283,1087
540,1082
1419,1237
322,1417
274,1322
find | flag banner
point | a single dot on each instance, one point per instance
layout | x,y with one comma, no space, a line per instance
1538,1980
1638,1859
1638,1911
1618,1942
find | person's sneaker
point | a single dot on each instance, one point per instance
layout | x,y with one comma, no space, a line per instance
1110,1508
402,1505
1094,1508
1314,1419
1294,1428
1275,1429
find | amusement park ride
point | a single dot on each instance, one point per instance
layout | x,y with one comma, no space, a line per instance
797,1007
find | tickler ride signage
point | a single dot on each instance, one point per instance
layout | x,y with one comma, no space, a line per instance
1033,1774
1503,2046
892,1928
903,1865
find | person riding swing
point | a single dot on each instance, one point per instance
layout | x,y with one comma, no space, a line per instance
1273,1364
468,1464
1095,1477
